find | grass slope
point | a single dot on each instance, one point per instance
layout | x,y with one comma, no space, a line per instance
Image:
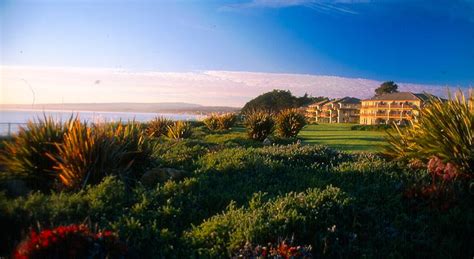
341,136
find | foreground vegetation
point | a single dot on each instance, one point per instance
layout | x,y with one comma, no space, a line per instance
208,192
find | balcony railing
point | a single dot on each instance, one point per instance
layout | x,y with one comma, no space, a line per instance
391,106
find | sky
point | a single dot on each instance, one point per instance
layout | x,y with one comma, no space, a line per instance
226,52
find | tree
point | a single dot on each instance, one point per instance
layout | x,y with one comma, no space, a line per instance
276,101
387,88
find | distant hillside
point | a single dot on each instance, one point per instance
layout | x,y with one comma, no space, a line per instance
188,108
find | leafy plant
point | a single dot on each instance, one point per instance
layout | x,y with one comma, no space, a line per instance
25,156
158,127
179,130
289,123
445,129
259,124
309,214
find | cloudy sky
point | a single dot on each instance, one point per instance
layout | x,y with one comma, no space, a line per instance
226,52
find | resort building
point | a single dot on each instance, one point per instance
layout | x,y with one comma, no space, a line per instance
343,110
395,107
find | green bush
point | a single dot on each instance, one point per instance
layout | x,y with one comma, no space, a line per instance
259,125
313,217
445,129
158,127
289,123
24,156
179,130
303,155
180,154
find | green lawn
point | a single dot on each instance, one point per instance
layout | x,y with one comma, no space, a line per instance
341,136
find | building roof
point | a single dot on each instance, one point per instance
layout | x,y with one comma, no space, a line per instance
347,100
400,96
320,102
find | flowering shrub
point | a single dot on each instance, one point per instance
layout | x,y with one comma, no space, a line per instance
439,193
438,169
73,241
281,250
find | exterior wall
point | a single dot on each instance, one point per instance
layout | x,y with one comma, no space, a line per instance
333,113
388,111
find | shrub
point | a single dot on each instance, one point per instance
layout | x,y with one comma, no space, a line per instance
158,127
75,241
311,216
259,125
179,154
289,123
445,129
303,155
381,127
179,130
283,249
25,155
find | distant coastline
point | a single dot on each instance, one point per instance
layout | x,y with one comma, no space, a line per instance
170,108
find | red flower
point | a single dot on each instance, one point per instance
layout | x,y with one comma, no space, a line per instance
65,241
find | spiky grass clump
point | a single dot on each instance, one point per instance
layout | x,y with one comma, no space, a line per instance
259,125
211,122
88,154
226,121
179,130
289,123
158,127
25,156
220,121
445,129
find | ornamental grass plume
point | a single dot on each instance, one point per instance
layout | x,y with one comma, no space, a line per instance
445,129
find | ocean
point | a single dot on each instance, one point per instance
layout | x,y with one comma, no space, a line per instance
11,120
